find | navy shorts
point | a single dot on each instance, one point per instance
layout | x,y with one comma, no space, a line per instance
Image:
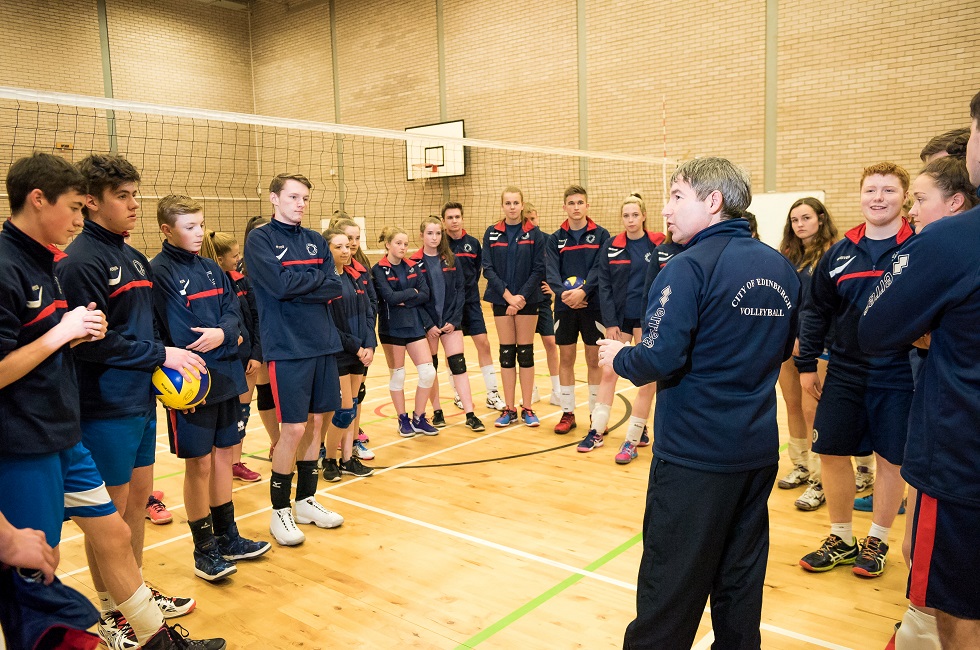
397,340
854,420
473,321
528,310
570,323
942,538
546,320
120,445
193,435
627,325
349,364
41,491
304,386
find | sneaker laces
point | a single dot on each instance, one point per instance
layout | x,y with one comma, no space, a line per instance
179,635
156,505
871,548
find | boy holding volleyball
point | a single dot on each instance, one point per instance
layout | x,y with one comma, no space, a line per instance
118,412
197,309
573,275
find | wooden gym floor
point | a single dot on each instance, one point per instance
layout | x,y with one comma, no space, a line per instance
506,539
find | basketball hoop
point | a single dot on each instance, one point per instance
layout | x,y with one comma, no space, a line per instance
424,171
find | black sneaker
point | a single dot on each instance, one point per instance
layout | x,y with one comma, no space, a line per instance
474,423
330,470
870,562
355,467
169,638
209,563
832,552
438,419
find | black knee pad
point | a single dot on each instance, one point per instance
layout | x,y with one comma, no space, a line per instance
525,355
264,400
457,364
435,362
508,356
361,393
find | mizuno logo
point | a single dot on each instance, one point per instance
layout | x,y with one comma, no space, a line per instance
34,304
113,281
185,284
277,484
899,264
279,256
840,269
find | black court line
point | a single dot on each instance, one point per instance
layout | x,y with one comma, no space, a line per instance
625,418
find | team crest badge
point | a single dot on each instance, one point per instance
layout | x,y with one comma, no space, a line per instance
311,249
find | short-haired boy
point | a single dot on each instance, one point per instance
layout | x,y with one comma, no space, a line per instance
197,309
573,251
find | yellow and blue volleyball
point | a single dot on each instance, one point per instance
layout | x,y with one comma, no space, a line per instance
177,392
574,282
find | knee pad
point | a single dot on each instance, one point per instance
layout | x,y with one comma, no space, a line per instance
342,418
525,355
244,410
361,393
508,356
427,375
435,362
356,402
457,364
397,381
264,400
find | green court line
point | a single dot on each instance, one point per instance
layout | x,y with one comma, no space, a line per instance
531,605
783,447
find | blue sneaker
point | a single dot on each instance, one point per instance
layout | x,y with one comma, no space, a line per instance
322,457
530,419
867,504
209,565
644,439
235,547
405,426
506,417
421,425
592,440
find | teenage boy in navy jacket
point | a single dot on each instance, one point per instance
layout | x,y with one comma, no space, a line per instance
118,410
573,251
722,319
864,402
46,473
293,275
197,309
937,290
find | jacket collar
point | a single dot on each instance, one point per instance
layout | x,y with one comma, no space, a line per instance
103,234
728,227
857,233
406,260
502,226
589,224
285,227
656,238
46,255
179,253
235,275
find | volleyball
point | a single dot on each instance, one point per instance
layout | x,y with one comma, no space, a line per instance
177,392
574,282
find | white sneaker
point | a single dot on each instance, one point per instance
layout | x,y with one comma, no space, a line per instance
362,452
494,400
812,498
458,403
283,528
115,631
535,396
555,399
308,511
794,479
864,478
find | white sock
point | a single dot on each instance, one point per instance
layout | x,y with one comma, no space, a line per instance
600,418
568,399
635,429
593,396
555,385
799,451
142,614
106,603
815,474
879,531
489,377
844,531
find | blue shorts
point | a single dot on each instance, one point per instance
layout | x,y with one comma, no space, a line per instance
120,445
41,491
570,323
193,435
304,386
546,319
473,321
942,538
854,420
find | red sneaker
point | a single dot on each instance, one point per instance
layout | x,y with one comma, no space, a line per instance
565,424
156,512
242,473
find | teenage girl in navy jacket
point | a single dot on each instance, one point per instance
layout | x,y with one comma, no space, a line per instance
513,264
623,262
442,315
402,290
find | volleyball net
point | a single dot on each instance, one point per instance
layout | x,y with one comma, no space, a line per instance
226,160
